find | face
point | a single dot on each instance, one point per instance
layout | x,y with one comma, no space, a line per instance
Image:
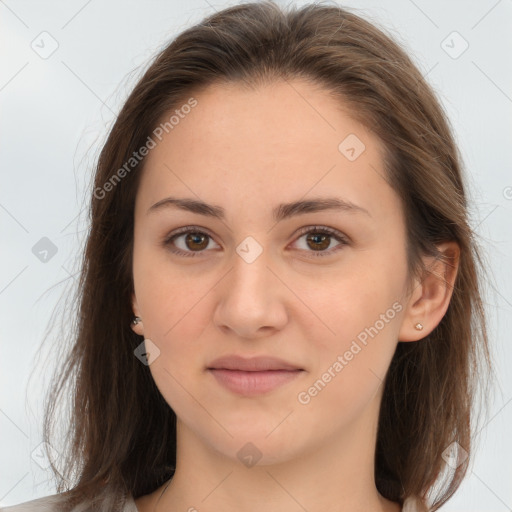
319,288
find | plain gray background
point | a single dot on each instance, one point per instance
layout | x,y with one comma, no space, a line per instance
66,69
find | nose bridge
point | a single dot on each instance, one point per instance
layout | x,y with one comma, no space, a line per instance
250,277
251,297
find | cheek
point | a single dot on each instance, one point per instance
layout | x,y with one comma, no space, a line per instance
354,344
344,308
350,366
168,295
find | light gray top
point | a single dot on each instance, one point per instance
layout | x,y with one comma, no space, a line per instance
47,504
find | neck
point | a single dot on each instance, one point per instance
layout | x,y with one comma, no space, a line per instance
335,475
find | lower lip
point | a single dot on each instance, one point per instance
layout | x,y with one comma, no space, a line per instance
253,383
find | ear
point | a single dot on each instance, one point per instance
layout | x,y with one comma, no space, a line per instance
137,328
431,295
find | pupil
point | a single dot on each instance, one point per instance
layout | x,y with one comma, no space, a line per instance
322,238
193,238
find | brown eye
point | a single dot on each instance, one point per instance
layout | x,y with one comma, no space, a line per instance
188,241
196,241
318,240
192,242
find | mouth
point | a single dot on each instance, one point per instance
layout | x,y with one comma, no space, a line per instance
253,376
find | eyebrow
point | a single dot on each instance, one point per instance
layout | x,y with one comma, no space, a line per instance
281,212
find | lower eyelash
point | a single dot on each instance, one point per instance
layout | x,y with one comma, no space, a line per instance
316,229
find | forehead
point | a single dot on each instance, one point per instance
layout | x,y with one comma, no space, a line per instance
278,140
272,119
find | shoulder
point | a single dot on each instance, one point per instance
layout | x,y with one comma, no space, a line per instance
50,504
45,504
414,504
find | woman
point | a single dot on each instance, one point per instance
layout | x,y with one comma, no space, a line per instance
280,299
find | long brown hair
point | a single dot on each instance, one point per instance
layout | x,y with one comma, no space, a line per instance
122,436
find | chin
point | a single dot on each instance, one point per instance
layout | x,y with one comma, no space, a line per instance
258,444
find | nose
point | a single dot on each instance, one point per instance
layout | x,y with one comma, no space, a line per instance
251,300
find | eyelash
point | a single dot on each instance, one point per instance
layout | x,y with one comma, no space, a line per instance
320,230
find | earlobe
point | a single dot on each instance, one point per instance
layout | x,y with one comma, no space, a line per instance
430,298
136,323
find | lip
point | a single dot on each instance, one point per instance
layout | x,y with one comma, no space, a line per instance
252,376
251,364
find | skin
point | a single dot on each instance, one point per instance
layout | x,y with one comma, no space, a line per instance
248,151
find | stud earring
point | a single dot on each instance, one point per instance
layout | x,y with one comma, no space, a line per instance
136,320
418,326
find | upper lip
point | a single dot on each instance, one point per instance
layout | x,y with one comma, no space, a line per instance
251,364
